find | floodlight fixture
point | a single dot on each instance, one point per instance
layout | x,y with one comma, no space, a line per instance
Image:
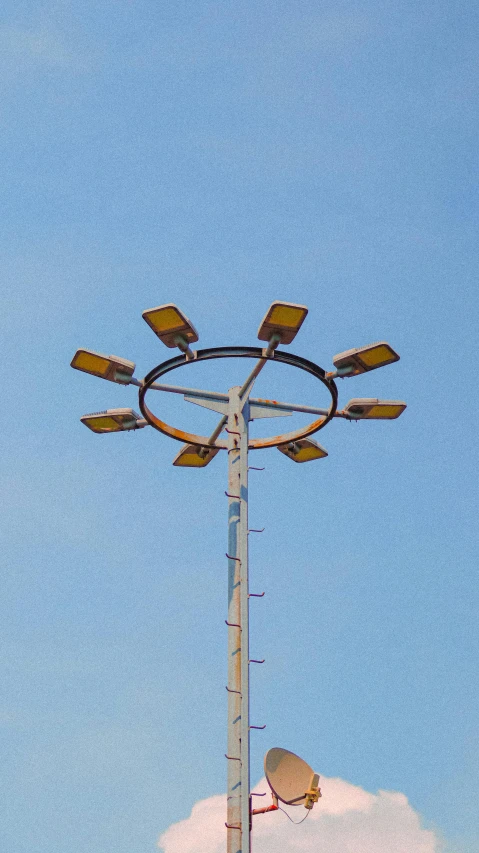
110,367
113,420
360,360
304,450
291,779
171,326
193,456
373,409
282,319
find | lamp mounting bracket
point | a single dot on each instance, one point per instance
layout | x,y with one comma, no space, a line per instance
237,352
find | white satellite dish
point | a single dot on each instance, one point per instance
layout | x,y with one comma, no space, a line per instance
291,780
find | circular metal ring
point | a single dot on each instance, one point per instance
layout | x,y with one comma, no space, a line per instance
237,352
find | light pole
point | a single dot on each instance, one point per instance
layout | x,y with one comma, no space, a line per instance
237,409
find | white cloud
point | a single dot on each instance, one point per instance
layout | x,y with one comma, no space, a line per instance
347,819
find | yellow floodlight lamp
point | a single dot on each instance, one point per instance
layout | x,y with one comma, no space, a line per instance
171,326
192,456
113,420
110,367
360,360
304,450
372,409
282,320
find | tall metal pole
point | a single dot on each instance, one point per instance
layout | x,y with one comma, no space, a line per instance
244,596
235,409
238,786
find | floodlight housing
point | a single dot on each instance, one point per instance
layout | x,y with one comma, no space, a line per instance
304,450
283,319
370,408
360,360
193,456
110,367
113,420
171,326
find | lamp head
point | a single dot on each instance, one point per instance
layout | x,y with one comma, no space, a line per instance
304,450
109,367
283,319
192,456
113,420
360,360
171,326
373,409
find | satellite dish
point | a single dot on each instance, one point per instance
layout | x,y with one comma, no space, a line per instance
291,780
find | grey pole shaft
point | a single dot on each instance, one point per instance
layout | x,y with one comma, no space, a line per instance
238,786
244,597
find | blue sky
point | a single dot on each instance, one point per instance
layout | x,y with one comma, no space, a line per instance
221,157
